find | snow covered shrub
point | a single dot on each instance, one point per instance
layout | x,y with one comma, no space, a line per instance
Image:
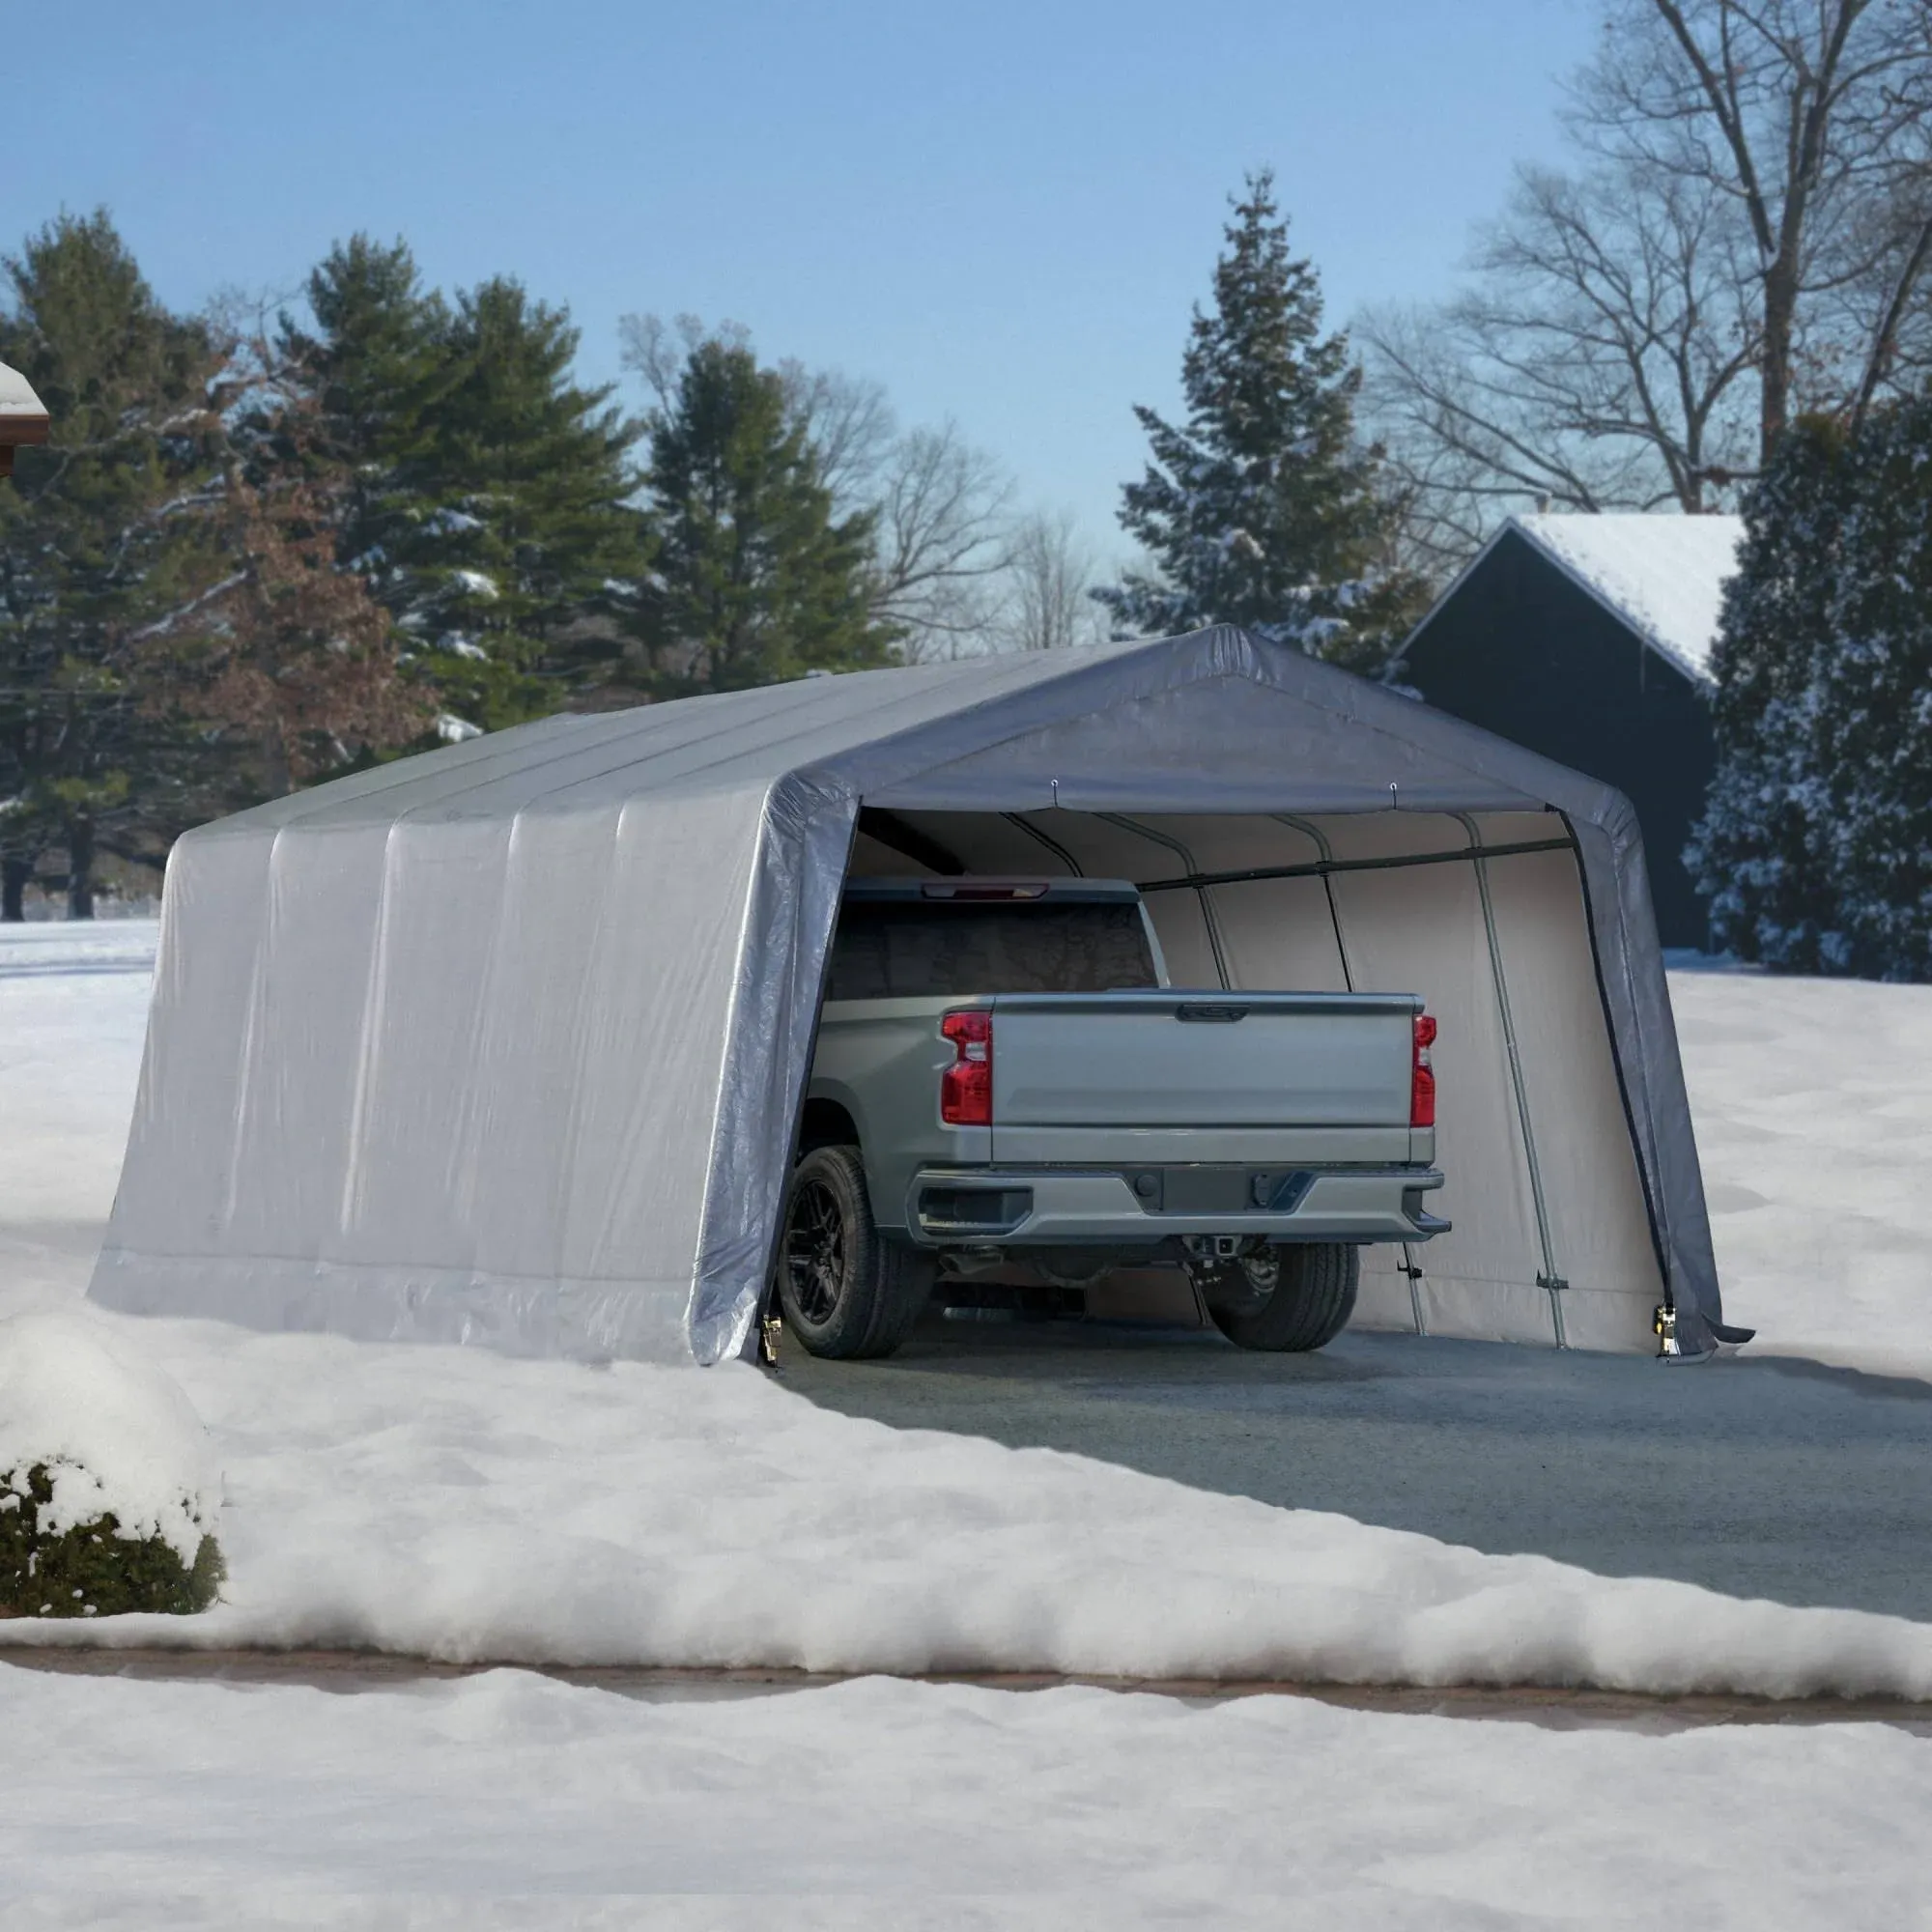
109,1488
91,1569
1815,849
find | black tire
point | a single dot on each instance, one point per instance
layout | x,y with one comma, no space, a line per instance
1307,1305
848,1293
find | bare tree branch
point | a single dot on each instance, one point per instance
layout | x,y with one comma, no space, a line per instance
942,509
849,423
1811,116
1049,575
939,507
1749,234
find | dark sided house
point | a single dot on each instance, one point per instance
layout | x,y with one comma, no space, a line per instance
1588,639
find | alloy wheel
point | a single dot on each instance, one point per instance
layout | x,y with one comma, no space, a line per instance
815,1251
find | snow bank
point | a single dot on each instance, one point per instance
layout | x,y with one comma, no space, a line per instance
115,1435
508,1802
1813,1105
454,1504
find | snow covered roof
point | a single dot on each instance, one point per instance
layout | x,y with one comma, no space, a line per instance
23,417
1664,576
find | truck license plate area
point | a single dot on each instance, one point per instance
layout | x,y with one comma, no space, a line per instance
1221,1190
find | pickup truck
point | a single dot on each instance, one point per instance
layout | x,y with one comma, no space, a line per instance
1003,1075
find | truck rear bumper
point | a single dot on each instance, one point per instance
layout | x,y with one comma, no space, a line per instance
950,1208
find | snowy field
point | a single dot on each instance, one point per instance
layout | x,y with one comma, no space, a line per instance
894,1806
1813,1106
452,1504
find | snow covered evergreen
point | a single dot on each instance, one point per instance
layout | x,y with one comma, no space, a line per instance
492,514
1816,845
1263,509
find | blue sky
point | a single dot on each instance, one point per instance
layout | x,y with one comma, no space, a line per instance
1003,211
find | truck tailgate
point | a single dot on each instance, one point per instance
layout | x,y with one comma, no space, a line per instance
1147,1061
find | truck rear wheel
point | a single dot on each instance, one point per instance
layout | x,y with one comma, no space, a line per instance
1291,1298
847,1293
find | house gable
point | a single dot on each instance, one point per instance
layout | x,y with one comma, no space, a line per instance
1522,647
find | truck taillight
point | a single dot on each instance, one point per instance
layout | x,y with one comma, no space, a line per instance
966,1087
1422,1077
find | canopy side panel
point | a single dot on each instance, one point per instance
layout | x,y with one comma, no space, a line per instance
468,1096
423,1070
1263,933
1268,932
177,1177
1278,932
254,1075
1599,1230
1420,929
652,1048
463,1090
805,839
319,974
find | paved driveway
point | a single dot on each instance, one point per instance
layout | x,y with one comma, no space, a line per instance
1756,1477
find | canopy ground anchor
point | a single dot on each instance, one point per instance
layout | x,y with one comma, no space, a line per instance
1664,1326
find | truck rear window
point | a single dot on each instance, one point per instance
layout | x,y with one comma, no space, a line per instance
901,949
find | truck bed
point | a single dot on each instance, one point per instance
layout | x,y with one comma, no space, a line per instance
1201,1076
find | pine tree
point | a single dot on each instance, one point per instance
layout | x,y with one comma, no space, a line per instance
360,384
98,538
491,508
526,567
1815,849
1263,509
756,579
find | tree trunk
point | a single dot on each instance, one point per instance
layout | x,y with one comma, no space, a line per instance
1780,310
80,869
14,872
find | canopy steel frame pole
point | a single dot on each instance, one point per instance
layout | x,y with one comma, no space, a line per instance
1411,1271
1045,838
1194,882
1548,1280
1319,839
1195,877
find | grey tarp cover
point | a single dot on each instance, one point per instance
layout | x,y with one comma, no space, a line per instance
504,1044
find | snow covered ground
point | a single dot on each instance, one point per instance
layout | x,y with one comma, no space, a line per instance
1813,1106
879,1804
73,1011
453,1503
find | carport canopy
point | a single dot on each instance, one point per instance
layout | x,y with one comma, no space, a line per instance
506,1043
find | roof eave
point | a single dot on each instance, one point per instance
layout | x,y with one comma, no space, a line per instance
1696,675
1644,635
